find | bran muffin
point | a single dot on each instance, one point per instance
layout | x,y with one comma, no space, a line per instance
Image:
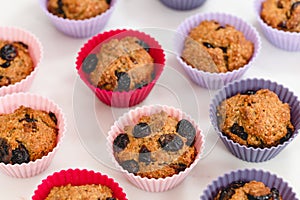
281,14
214,48
27,135
255,119
77,9
247,190
89,191
157,146
15,62
120,65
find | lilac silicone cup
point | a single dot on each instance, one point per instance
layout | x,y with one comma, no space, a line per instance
289,41
8,104
35,49
243,152
79,28
269,179
215,80
152,184
183,4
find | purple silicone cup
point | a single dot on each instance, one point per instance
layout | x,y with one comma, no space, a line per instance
243,152
215,80
269,179
183,4
79,28
289,41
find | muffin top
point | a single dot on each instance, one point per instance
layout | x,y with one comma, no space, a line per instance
157,146
281,14
215,48
120,65
248,190
26,135
89,191
255,118
15,62
77,9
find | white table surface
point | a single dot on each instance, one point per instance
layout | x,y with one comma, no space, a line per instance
88,120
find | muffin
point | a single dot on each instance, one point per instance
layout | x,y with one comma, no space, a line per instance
78,184
282,14
20,55
255,118
183,4
216,48
31,133
121,66
155,146
279,22
77,9
78,18
248,190
248,184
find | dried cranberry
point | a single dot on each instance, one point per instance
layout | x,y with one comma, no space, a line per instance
53,117
123,81
20,155
141,130
131,166
145,155
170,142
120,142
8,52
295,5
187,130
178,167
5,64
208,45
5,151
239,131
144,45
89,64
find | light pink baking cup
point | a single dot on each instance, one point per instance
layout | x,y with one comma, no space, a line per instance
77,177
243,152
11,102
36,53
269,179
183,5
116,98
289,41
79,28
215,80
152,184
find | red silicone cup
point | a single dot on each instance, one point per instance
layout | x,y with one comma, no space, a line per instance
115,98
77,177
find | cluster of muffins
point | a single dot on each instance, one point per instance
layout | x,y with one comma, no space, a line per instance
154,146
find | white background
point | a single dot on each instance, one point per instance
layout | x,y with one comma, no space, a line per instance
89,120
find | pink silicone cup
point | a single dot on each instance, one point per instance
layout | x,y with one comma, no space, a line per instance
289,41
215,80
77,177
183,5
11,102
243,152
115,98
269,179
35,51
79,28
152,184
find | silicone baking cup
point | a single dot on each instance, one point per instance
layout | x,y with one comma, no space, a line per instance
269,179
215,80
152,184
124,98
289,41
183,5
79,28
77,177
35,49
243,152
11,102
